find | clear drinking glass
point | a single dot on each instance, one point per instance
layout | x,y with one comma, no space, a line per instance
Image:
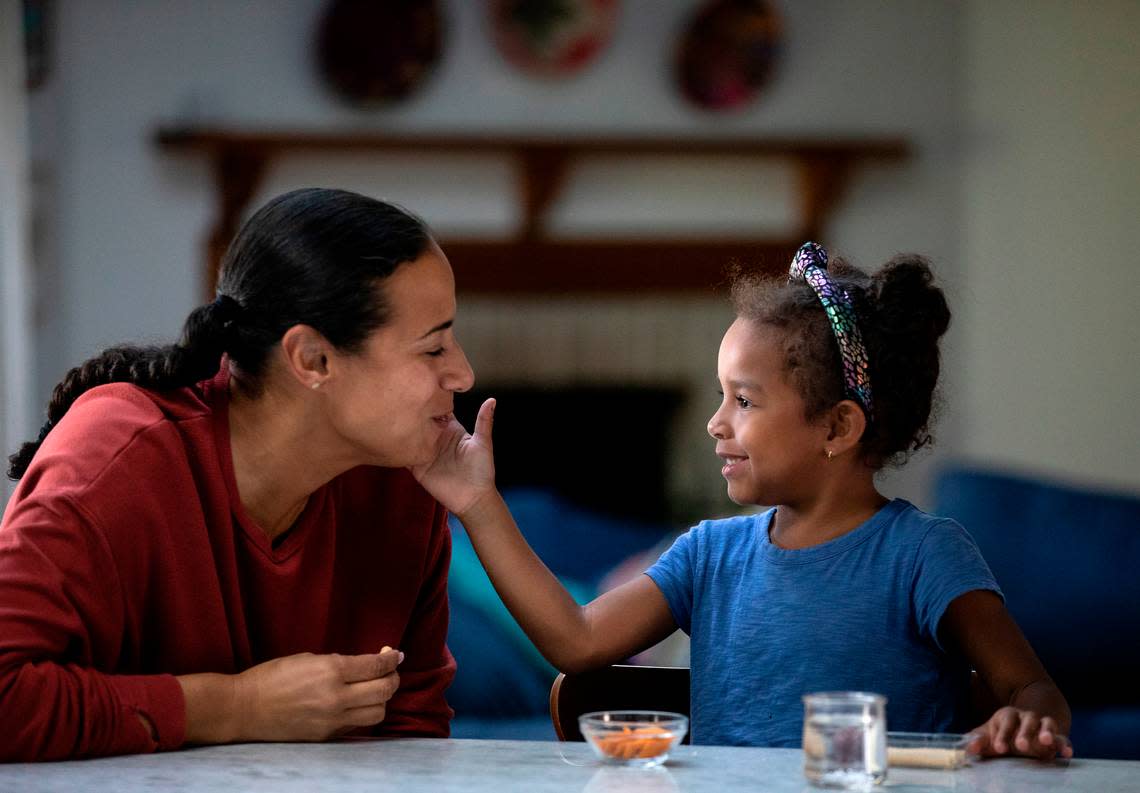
845,739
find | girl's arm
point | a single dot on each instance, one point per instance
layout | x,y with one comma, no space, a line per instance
1034,719
573,638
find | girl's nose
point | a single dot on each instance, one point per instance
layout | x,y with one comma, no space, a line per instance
716,427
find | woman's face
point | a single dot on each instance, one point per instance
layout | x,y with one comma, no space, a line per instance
391,400
771,454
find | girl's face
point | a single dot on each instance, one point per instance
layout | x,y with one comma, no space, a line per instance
394,397
772,454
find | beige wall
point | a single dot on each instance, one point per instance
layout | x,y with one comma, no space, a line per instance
1051,204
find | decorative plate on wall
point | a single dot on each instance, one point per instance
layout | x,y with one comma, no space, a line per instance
552,37
727,52
373,52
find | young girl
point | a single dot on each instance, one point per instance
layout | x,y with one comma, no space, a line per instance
825,378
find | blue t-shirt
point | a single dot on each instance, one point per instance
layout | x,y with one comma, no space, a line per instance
858,613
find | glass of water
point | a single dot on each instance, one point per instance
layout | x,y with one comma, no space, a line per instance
845,739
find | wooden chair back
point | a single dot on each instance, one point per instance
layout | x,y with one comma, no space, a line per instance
619,687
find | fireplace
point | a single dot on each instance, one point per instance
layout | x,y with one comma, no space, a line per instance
603,447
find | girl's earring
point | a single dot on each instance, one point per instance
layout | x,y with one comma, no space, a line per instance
315,385
830,453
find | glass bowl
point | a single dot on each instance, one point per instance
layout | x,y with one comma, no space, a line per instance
633,737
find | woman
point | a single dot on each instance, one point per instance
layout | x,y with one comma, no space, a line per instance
219,540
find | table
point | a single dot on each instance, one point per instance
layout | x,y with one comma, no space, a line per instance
476,766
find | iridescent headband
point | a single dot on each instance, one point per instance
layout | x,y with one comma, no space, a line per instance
810,264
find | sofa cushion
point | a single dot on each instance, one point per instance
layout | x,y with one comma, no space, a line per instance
1067,560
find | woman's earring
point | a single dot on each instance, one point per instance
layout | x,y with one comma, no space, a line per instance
315,385
830,454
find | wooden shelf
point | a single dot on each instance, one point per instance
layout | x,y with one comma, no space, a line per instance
532,262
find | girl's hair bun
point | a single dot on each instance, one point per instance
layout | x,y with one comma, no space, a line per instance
908,303
907,315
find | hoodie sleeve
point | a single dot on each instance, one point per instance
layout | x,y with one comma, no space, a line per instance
61,618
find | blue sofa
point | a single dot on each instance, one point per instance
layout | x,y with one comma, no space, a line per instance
1068,560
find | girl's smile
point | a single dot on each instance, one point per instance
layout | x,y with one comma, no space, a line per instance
734,465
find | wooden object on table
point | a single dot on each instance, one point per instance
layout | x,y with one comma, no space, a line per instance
919,757
533,263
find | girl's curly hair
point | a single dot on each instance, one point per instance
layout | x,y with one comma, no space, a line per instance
902,314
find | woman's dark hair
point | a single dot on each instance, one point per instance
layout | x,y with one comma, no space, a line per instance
313,256
901,314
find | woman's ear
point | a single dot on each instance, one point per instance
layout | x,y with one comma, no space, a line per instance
848,423
306,355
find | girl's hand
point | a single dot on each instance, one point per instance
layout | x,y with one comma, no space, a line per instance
1014,731
464,468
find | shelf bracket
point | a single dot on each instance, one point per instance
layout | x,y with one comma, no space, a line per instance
238,171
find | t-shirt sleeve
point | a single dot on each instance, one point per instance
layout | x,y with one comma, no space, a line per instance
418,706
673,573
948,564
60,605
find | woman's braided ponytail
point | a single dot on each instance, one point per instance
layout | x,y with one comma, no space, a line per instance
195,357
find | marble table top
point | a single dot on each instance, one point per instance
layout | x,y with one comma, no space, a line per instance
479,766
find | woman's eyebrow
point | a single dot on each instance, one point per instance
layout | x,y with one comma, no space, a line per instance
438,328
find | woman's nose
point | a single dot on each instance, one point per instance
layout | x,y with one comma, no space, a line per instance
460,376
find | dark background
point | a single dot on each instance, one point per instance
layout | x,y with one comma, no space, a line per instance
604,448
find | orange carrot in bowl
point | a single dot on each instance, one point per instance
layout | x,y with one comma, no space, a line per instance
635,742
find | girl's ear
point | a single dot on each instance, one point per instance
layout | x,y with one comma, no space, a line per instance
848,422
306,355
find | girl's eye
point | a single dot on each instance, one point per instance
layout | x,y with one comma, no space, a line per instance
744,403
436,352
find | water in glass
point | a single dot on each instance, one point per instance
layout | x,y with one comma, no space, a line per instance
845,740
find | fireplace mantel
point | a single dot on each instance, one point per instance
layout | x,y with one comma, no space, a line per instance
531,262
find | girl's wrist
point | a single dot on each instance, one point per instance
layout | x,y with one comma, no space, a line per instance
482,508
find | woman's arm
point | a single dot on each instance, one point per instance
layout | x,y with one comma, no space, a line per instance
612,627
1034,719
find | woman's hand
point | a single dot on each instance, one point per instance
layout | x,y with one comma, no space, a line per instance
310,697
464,468
1014,731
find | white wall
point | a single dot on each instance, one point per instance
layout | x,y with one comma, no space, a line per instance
1024,189
129,219
1051,200
16,376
